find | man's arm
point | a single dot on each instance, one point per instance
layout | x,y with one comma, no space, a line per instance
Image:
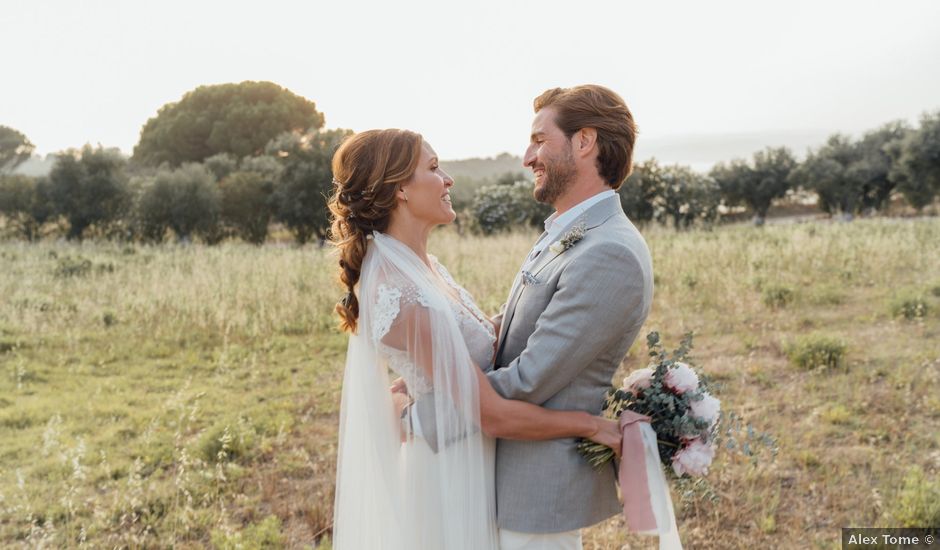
599,298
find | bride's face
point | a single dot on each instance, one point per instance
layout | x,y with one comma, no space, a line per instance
428,191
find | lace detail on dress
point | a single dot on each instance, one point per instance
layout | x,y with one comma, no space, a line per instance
477,330
399,362
479,334
388,305
386,309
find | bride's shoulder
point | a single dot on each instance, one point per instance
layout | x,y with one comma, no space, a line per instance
390,299
396,289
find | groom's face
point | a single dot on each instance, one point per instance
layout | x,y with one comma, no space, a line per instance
550,157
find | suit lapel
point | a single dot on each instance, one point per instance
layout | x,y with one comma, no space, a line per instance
513,296
593,217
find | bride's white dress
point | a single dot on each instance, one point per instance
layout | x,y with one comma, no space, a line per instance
480,336
435,489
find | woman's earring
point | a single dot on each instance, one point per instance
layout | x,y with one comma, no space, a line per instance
405,194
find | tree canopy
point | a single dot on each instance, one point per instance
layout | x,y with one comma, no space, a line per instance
304,187
917,168
757,184
640,191
226,118
89,187
14,149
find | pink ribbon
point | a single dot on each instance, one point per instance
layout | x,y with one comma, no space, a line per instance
634,485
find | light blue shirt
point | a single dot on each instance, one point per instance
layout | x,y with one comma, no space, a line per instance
556,223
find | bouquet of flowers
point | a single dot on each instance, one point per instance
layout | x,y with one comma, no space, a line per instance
682,411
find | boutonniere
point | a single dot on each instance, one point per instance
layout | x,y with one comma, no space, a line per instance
528,278
567,240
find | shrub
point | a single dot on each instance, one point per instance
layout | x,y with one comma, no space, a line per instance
89,187
72,267
918,501
225,443
246,204
266,534
24,201
109,319
909,306
826,295
221,165
837,414
185,200
815,350
776,296
498,208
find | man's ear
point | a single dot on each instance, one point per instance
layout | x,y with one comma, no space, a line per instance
585,140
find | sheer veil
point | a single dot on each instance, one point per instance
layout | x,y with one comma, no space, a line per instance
430,491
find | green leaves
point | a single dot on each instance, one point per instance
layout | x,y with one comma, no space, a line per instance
917,166
14,149
815,351
227,118
89,187
185,200
497,208
756,184
301,194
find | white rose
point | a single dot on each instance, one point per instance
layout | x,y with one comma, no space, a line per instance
681,378
639,379
706,408
694,459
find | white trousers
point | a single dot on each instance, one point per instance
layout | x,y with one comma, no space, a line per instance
513,540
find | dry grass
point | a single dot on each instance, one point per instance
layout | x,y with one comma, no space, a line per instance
154,397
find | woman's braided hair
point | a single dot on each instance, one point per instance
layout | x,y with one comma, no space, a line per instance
368,169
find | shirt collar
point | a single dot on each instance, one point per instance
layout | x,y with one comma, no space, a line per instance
555,223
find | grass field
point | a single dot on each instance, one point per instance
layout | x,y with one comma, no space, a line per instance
187,396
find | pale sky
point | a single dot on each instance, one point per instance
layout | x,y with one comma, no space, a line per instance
464,74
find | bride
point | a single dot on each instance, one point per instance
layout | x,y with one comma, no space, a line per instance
415,469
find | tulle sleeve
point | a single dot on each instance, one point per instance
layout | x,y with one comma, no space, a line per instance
401,333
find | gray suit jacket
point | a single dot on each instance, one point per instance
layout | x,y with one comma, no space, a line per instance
564,334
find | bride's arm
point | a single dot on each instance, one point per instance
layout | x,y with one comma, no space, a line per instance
510,419
497,321
410,331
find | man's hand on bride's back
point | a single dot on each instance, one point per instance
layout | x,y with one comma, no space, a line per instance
608,433
398,386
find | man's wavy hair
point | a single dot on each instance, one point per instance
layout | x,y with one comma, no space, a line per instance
593,106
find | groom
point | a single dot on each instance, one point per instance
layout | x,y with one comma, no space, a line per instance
576,306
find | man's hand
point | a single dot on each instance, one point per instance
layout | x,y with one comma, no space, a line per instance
608,433
398,386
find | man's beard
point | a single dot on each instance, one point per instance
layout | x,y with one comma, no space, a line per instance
559,174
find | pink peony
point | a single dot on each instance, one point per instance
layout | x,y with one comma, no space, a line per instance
693,459
639,379
681,378
706,408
